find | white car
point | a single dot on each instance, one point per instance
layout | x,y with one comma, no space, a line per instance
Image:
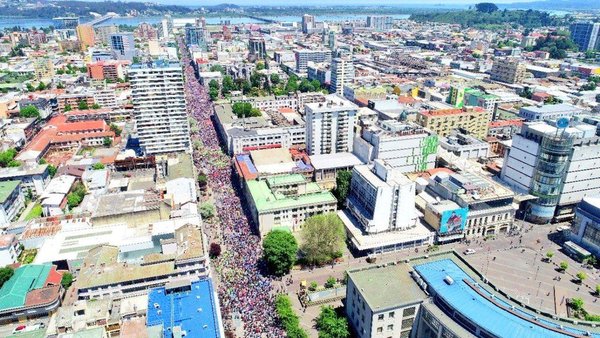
469,251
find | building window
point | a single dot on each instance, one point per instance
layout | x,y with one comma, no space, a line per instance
380,317
392,314
380,329
408,312
390,327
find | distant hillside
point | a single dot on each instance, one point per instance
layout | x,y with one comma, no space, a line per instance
556,5
472,18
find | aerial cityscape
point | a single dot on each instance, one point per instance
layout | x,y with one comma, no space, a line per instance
270,169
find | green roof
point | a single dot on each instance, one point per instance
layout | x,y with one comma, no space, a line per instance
6,188
266,201
399,287
26,278
285,180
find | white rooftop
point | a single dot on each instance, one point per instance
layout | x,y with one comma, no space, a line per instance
333,161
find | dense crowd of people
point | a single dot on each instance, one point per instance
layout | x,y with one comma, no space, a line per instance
244,292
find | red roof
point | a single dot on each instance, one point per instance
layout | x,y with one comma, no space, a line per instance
440,112
54,277
503,123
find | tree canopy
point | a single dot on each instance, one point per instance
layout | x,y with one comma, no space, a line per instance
244,109
323,238
29,111
331,325
5,274
342,187
289,320
280,250
7,158
486,7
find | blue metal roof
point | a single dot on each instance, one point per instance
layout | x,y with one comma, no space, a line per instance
194,310
479,310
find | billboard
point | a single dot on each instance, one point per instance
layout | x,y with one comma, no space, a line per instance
453,220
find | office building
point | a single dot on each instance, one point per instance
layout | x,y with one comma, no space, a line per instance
86,36
308,24
303,56
123,46
380,23
342,74
380,213
585,229
285,201
159,107
473,120
586,35
403,146
559,166
326,167
257,48
549,112
508,70
195,36
103,33
330,126
464,145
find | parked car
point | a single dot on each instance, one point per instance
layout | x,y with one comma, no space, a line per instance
469,251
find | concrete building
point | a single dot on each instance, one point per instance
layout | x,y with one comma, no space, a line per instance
43,68
465,146
320,72
585,229
9,249
586,35
342,74
403,146
473,120
381,23
380,214
12,201
558,166
257,48
308,23
34,177
195,36
549,112
113,70
303,56
159,107
508,70
122,46
330,126
286,201
326,167
165,28
86,36
103,33
477,98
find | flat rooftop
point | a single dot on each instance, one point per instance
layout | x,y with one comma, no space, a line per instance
265,200
6,188
498,318
334,161
387,286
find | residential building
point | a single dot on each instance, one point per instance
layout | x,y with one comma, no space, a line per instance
380,213
86,36
12,201
508,70
585,229
159,107
456,96
9,249
330,126
549,112
34,177
195,36
165,27
286,201
381,23
403,146
477,98
122,46
308,23
113,70
72,100
465,146
320,72
103,33
303,56
586,35
559,166
43,69
342,74
473,120
383,301
257,47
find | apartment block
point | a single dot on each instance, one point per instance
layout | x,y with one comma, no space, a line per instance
330,126
473,120
508,70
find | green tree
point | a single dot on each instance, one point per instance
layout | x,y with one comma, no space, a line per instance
275,79
244,109
29,111
597,289
342,186
207,210
60,85
51,170
289,320
581,276
331,325
292,85
213,93
7,157
576,304
66,280
228,85
107,141
549,255
68,108
41,86
213,84
83,105
5,274
323,238
486,7
330,282
202,180
280,250
217,68
116,129
98,166
260,65
306,86
75,197
96,106
564,266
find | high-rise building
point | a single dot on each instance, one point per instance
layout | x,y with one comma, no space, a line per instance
123,46
86,36
43,68
559,166
586,228
474,120
508,70
257,47
195,36
145,31
159,107
165,27
586,35
342,73
380,22
308,23
66,22
330,126
303,56
103,33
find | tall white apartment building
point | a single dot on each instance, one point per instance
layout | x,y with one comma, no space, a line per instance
303,56
380,22
558,166
342,73
330,126
406,147
159,107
